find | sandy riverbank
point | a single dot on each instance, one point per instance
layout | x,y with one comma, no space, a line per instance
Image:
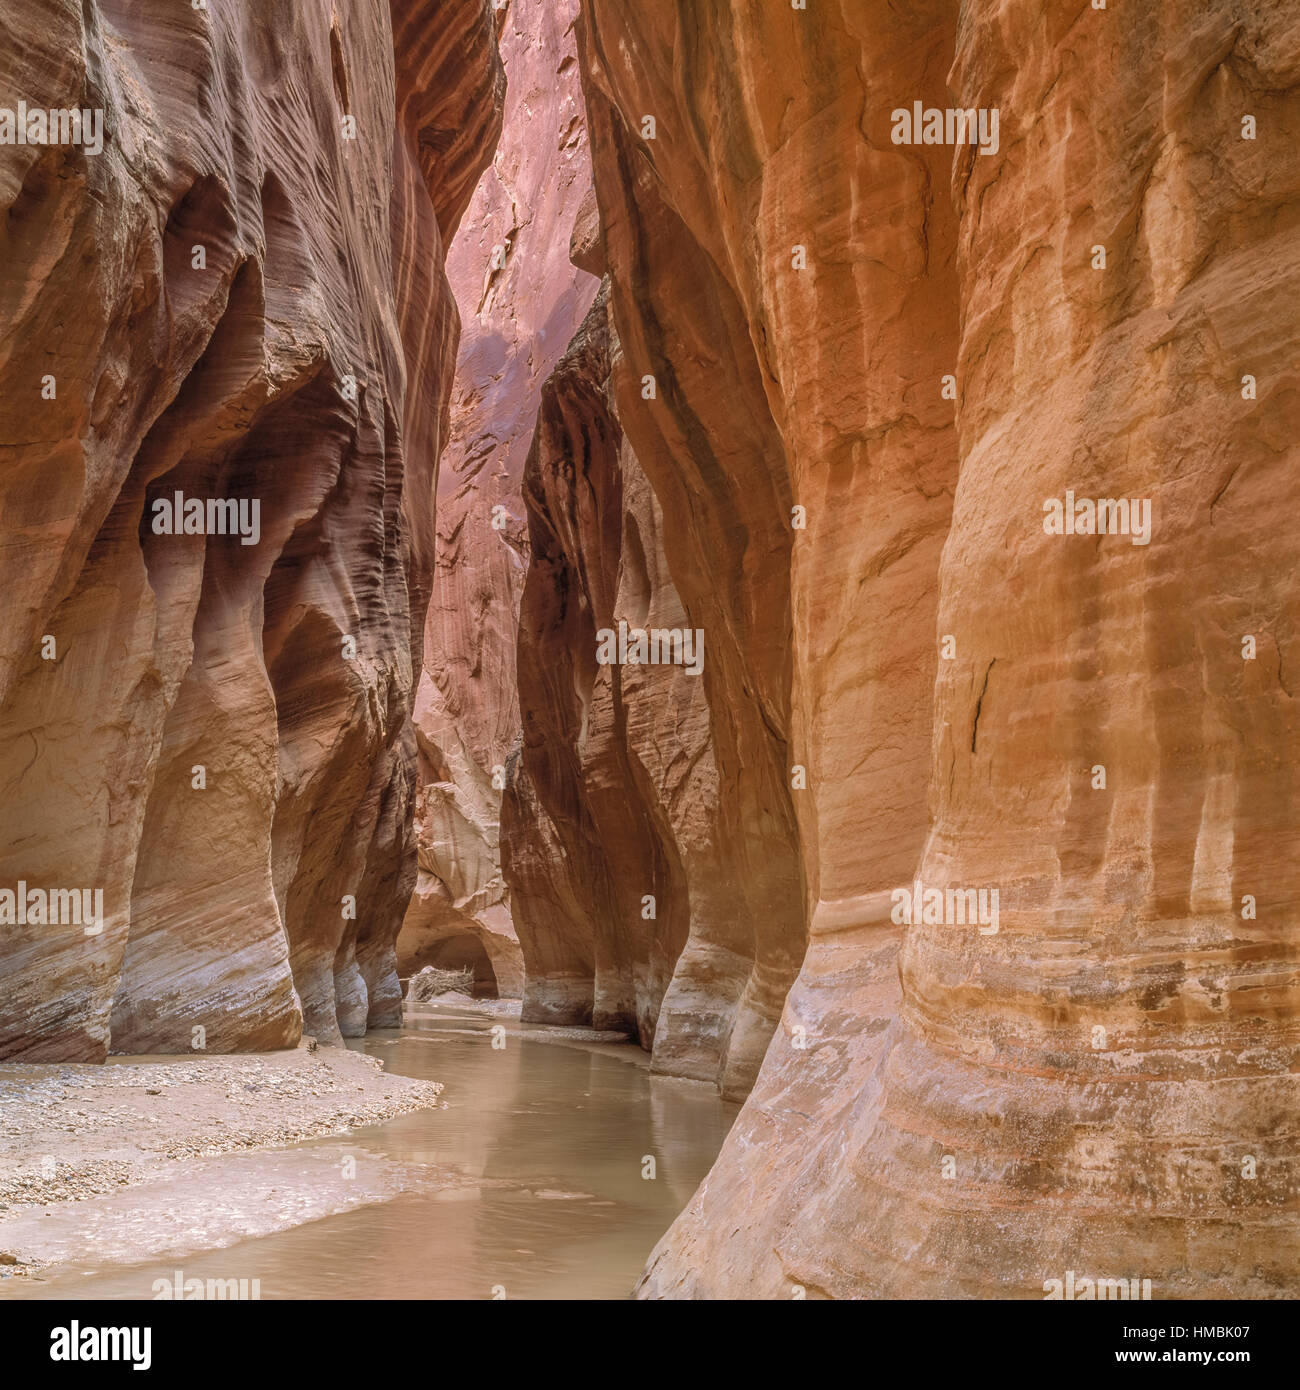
77,1140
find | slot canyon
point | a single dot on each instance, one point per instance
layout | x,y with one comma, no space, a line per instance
710,554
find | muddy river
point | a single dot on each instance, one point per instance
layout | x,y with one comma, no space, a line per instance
551,1172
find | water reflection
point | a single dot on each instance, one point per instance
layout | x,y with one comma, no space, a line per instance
536,1180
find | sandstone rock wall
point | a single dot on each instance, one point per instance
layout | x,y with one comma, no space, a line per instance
649,782
521,300
1104,1084
240,297
611,827
594,847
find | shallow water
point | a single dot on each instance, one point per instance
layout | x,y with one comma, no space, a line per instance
528,1185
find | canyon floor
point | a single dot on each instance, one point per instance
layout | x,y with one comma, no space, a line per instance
84,1146
464,1148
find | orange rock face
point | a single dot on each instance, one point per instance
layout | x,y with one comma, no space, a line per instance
236,306
596,880
940,391
612,827
521,300
928,350
647,789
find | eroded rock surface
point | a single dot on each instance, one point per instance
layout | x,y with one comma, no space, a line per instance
648,783
814,415
611,827
241,297
579,853
521,300
1106,1083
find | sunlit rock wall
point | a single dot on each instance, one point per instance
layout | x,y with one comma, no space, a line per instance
1104,1083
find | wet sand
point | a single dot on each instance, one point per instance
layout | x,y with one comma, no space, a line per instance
79,1141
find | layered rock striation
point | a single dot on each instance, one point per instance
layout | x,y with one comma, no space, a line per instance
956,448
226,359
928,350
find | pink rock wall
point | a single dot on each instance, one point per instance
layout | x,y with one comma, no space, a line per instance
521,300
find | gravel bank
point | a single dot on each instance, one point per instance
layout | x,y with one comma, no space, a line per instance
70,1132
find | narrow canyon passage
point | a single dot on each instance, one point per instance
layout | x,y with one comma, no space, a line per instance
549,1169
700,575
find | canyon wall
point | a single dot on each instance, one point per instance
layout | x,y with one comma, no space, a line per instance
611,823
912,677
597,884
648,831
239,299
521,300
